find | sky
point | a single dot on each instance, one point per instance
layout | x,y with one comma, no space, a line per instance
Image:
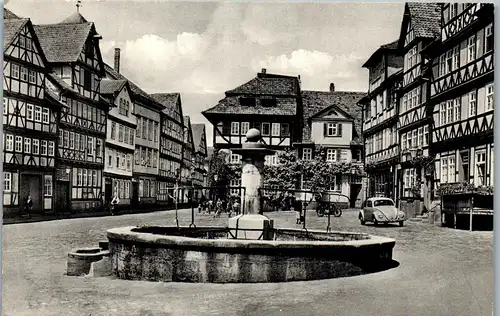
202,49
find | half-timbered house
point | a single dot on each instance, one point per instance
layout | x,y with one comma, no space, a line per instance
420,26
72,50
332,121
29,121
270,103
461,96
200,153
171,145
120,140
188,161
380,120
147,140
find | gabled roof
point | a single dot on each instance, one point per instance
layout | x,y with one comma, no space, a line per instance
232,105
198,132
187,124
268,84
75,18
7,14
109,86
168,100
317,101
60,83
63,43
386,48
12,28
425,18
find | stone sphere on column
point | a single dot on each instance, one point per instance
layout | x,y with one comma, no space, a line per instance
253,135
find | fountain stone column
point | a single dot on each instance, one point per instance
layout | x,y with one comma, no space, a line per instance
252,224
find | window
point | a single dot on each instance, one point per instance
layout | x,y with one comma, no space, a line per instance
9,142
7,182
449,61
36,147
247,102
275,129
32,76
285,130
150,130
90,144
442,65
156,132
488,39
472,103
456,57
403,141
330,129
72,140
444,170
235,158
266,129
87,79
451,169
442,114
331,155
45,115
27,145
98,147
84,177
113,130
19,144
144,128
14,71
131,140
471,48
120,133
457,109
307,153
38,114
420,137
139,126
110,158
490,97
51,148
24,74
426,135
245,126
235,128
449,106
47,185
480,168
43,147
82,142
268,103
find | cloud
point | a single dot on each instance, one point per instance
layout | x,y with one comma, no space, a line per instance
301,61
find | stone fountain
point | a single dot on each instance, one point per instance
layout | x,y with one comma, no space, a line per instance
249,249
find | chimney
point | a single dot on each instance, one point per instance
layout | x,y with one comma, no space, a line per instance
263,70
332,87
117,60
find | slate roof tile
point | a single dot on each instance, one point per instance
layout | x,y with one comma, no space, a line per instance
168,100
231,105
425,18
11,29
109,86
284,86
7,14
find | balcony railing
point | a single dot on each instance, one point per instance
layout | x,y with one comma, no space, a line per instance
468,72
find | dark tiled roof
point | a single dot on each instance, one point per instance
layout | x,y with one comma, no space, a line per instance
425,18
316,101
113,74
11,29
198,131
231,105
168,100
377,54
262,85
62,43
75,18
61,83
109,86
7,14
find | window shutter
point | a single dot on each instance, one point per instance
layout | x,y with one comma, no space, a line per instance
325,128
339,155
339,129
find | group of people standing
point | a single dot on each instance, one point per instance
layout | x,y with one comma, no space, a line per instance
230,206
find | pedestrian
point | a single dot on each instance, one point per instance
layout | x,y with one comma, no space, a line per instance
114,202
28,205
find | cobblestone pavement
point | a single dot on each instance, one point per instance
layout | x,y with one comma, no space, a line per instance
442,272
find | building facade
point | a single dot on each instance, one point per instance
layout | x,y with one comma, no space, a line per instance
200,154
30,118
461,95
270,103
120,141
380,120
171,145
72,50
332,121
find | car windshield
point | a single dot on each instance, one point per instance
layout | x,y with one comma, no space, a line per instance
383,203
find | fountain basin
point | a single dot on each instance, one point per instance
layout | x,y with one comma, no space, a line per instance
206,254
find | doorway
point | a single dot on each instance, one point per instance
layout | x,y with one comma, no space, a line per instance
355,190
31,185
108,191
62,196
135,193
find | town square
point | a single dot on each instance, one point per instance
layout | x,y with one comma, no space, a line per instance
230,163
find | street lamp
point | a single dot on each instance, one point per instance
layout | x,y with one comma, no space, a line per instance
192,169
176,195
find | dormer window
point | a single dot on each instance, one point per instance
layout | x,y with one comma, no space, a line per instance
268,103
247,101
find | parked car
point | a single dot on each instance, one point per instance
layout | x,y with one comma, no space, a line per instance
380,210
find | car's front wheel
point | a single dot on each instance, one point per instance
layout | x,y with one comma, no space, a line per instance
361,220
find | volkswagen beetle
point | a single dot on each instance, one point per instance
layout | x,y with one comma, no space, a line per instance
381,210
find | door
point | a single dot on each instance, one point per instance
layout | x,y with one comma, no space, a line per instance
368,211
31,185
108,191
62,196
355,189
135,193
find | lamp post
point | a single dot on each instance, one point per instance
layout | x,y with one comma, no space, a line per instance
176,195
216,178
192,192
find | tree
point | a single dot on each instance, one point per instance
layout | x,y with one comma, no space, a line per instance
218,166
